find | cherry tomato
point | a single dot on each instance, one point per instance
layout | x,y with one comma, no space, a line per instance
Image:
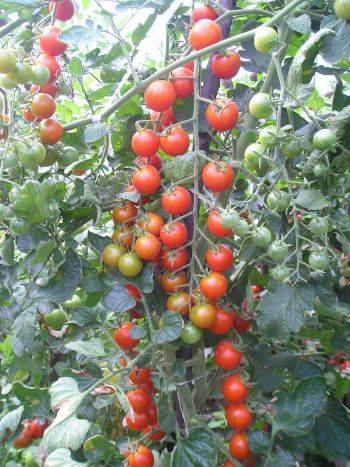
23,440
174,234
50,131
31,155
160,95
28,115
182,82
124,214
233,389
261,237
189,65
130,265
147,247
123,338
260,106
218,176
214,285
152,224
145,143
50,43
228,463
21,74
203,12
154,160
226,356
238,445
65,9
265,39
204,33
55,319
137,421
49,88
78,172
191,334
215,225
37,427
240,324
238,416
225,66
143,457
319,259
278,250
268,136
146,180
342,9
253,156
319,225
52,64
152,408
172,282
133,291
219,258
222,116
154,432
40,75
223,322
203,315
123,237
172,260
111,255
180,302
8,61
139,399
175,142
43,105
165,118
324,139
256,288
278,201
139,375
176,200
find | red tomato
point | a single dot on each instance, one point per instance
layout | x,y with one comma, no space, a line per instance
182,82
226,356
180,302
37,427
28,115
222,116
133,291
152,224
218,176
52,64
138,421
203,11
234,390
123,338
139,375
238,416
23,439
49,88
223,323
204,33
214,285
139,399
152,408
172,282
172,260
50,131
215,226
154,432
176,200
164,119
146,180
65,9
50,43
175,142
147,247
256,288
174,234
43,105
225,66
228,463
143,457
219,258
240,324
203,315
154,160
189,65
124,214
238,445
160,95
123,237
145,143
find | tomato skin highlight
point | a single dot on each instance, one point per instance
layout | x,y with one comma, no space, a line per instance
138,421
226,356
49,42
153,224
222,117
233,389
175,142
176,201
124,214
123,338
218,176
225,66
223,322
37,428
143,457
145,143
204,33
160,95
139,399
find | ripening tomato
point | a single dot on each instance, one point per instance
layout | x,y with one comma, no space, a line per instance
176,200
124,214
37,427
180,302
256,288
147,247
163,119
204,33
215,225
130,265
238,416
154,432
143,457
160,95
133,291
239,446
154,160
139,375
226,355
49,88
240,324
137,421
218,176
203,315
214,285
233,389
203,11
52,64
225,66
146,180
265,39
222,116
23,439
172,282
123,237
123,338
111,255
43,105
223,322
174,234
219,258
50,43
28,115
8,61
152,408
175,142
65,9
139,399
50,131
152,224
174,259
182,82
145,143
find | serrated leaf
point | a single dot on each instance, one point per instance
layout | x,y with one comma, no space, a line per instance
24,331
8,250
118,299
170,330
138,332
36,397
43,251
180,167
98,242
312,199
335,47
300,24
95,131
62,458
258,441
198,449
99,448
92,348
10,421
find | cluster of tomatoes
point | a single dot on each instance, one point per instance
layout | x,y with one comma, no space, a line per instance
32,429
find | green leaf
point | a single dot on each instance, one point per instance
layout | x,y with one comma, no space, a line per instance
312,199
166,414
258,441
118,299
99,448
75,66
335,47
43,251
198,449
79,36
92,348
282,459
62,458
142,29
35,397
98,242
10,421
24,331
180,167
24,3
84,315
300,24
170,329
282,311
295,411
8,250
95,131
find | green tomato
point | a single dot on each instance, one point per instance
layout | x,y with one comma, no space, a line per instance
6,83
22,74
190,334
319,170
130,265
8,61
11,160
265,39
252,156
262,237
6,212
324,139
51,156
278,250
260,106
242,228
230,219
280,273
241,184
31,155
67,156
19,226
319,225
268,136
55,319
278,201
74,302
291,148
342,9
40,75
319,259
